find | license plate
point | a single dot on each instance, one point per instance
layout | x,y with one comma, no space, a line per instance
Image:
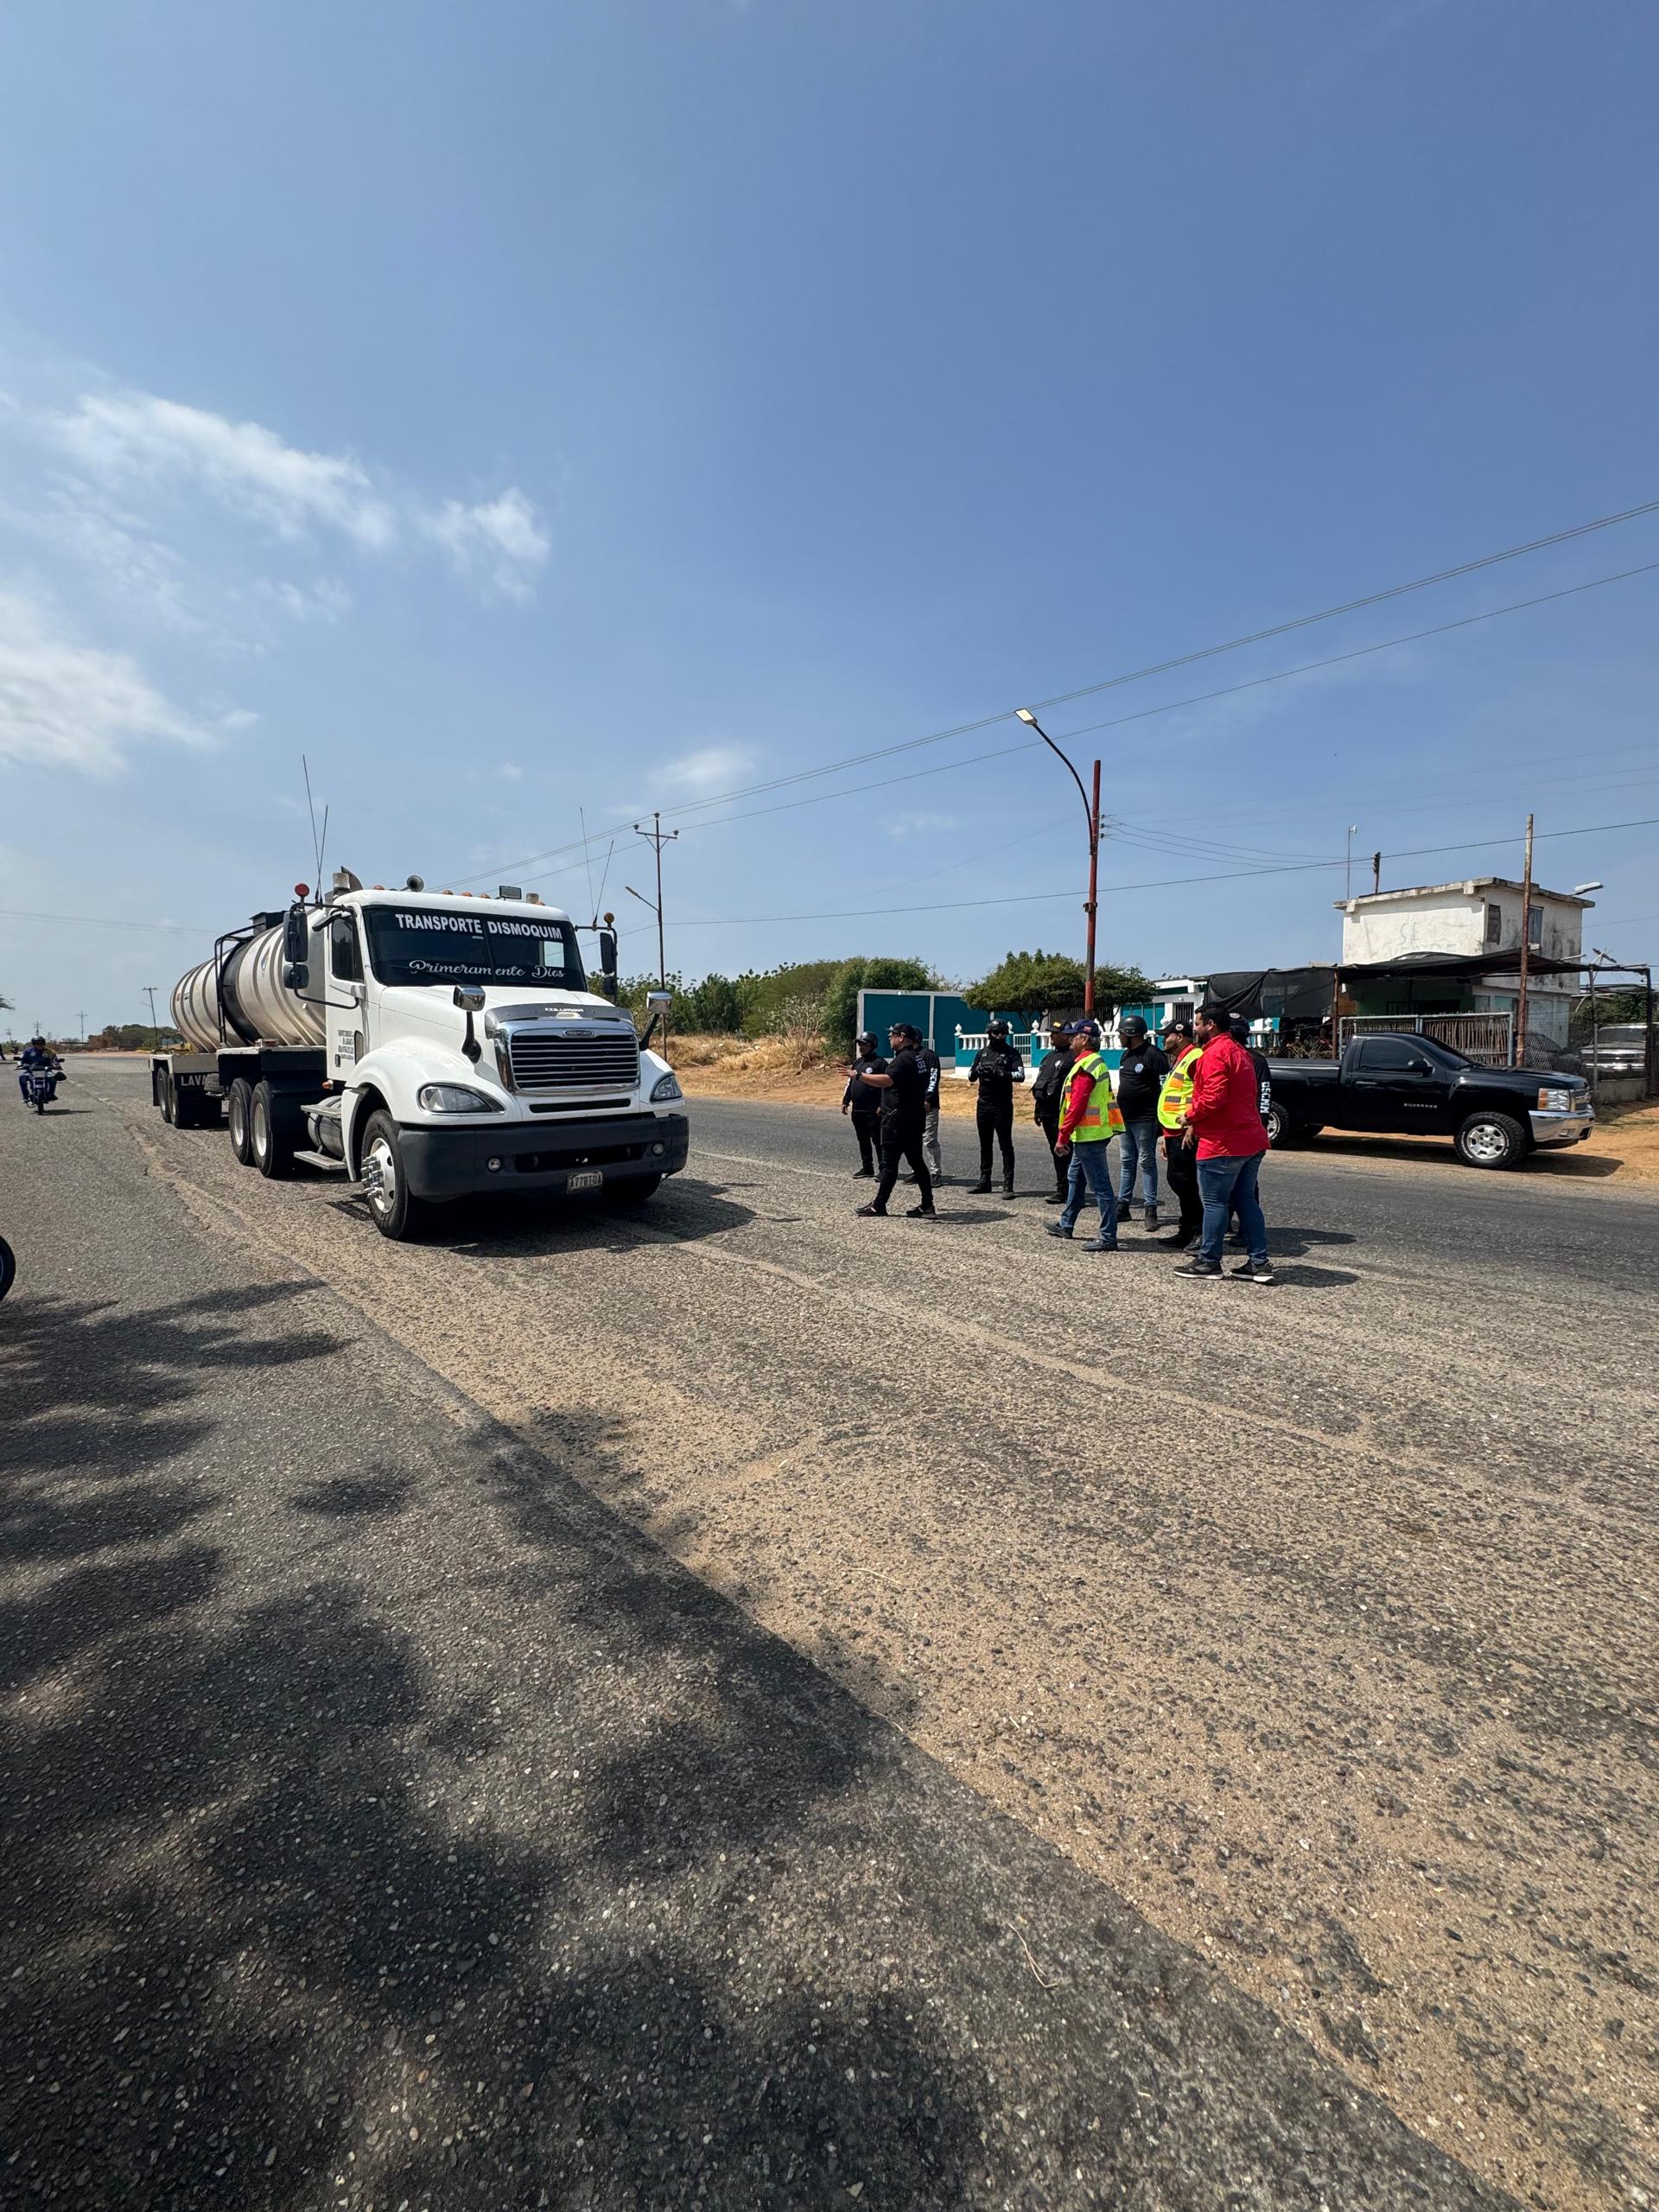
585,1179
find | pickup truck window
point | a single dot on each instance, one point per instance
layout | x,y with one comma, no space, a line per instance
1390,1056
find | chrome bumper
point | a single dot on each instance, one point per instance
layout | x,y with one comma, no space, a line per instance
1571,1127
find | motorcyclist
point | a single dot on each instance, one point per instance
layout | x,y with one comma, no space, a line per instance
35,1054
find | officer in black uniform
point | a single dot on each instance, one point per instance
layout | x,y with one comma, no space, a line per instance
1048,1103
997,1067
863,1102
904,1114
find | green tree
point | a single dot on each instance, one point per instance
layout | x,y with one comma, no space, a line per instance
710,1009
864,973
1036,983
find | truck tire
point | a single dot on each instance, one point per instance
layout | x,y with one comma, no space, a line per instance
168,1100
1282,1130
1491,1139
394,1212
269,1144
239,1111
632,1193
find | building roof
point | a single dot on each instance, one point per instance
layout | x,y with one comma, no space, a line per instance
1496,961
1468,886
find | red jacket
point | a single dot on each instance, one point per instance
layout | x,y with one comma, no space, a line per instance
1225,1109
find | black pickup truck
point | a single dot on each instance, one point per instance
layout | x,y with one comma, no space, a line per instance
1399,1084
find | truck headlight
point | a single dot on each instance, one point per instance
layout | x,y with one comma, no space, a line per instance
665,1087
452,1099
1555,1102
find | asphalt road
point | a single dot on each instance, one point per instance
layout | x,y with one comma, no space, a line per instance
747,1708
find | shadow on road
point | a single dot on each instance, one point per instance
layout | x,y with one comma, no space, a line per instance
349,1865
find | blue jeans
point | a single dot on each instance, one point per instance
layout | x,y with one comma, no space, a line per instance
1140,1153
1224,1186
1092,1171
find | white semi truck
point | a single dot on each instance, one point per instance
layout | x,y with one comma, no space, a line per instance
427,1044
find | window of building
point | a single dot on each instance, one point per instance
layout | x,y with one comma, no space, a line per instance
1534,927
1494,922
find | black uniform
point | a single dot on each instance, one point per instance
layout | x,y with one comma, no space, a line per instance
865,1101
903,1111
1048,1103
997,1067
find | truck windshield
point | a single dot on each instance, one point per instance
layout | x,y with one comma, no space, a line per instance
423,944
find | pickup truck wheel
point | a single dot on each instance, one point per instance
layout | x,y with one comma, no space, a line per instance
386,1185
1282,1130
1491,1140
270,1150
239,1112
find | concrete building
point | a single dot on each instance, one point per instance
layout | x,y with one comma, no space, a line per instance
1479,916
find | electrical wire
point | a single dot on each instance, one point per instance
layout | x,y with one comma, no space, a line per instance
1162,883
1131,675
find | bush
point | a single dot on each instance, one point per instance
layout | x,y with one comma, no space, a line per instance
711,1009
1039,982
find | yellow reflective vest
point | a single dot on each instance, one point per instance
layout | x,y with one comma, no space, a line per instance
1177,1094
1097,1124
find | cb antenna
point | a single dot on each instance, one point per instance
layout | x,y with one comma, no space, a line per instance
316,841
586,859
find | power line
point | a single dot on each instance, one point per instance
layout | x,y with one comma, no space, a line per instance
1131,675
1143,713
104,922
1162,883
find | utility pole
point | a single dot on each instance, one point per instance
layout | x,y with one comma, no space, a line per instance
1091,814
149,993
1376,873
1348,863
658,836
1518,1050
80,1016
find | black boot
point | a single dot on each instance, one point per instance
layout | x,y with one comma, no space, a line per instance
980,1188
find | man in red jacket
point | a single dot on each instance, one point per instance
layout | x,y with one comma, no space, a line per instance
1224,1122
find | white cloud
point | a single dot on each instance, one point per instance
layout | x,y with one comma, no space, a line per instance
325,600
499,541
68,705
124,443
704,772
511,770
918,825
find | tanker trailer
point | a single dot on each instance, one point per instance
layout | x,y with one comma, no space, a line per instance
425,1046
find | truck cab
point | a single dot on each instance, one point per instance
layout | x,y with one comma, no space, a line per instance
465,1052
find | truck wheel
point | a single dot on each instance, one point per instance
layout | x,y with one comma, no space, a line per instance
633,1193
1282,1130
271,1153
394,1212
1491,1139
239,1113
168,1100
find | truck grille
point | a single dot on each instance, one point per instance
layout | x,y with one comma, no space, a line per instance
545,1059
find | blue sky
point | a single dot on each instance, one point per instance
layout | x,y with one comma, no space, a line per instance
535,408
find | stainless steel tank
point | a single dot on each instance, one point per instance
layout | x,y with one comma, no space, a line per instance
247,987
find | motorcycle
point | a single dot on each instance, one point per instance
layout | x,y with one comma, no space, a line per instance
40,1086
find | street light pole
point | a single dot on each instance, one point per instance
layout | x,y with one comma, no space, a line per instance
1520,1059
1092,815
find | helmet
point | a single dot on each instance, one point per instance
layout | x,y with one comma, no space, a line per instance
865,1037
996,1027
1133,1025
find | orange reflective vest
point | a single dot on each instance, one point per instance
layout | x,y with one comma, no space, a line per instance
1096,1124
1177,1094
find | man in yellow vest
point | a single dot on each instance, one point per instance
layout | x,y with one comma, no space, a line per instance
1088,1125
1181,1049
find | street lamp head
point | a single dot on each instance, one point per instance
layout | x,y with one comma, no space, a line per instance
1579,889
1025,716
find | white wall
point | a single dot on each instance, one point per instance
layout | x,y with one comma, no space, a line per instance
1452,921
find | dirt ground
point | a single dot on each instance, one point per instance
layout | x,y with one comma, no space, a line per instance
1625,1143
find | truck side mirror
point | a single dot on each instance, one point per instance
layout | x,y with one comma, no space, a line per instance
608,962
470,999
296,976
295,936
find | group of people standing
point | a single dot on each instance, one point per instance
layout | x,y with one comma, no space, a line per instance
1201,1093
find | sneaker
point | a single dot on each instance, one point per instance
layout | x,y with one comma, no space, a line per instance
979,1191
1200,1267
1249,1272
1057,1228
1095,1245
920,1213
872,1212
